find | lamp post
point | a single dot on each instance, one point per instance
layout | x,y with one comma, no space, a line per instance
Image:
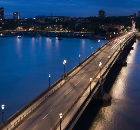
90,84
91,49
100,64
49,80
99,42
79,58
64,62
2,107
60,115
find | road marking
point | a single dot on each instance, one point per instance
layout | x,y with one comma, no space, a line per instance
77,83
47,114
68,92
35,126
84,77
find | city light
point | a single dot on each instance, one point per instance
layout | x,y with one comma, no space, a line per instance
2,106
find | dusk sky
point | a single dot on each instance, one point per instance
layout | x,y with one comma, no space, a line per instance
82,8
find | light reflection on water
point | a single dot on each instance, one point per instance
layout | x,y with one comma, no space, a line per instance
123,113
26,62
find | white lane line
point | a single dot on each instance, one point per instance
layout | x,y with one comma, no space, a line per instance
69,92
84,77
77,83
47,114
35,126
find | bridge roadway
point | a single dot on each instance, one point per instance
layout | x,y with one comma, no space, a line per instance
48,114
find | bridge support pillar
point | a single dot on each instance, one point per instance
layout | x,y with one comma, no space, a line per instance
102,95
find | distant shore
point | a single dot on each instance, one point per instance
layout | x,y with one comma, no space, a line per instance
89,35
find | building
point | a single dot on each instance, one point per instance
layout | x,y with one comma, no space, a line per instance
139,14
15,15
101,14
1,15
133,16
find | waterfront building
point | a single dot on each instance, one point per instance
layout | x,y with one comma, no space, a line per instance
101,14
139,14
1,15
15,15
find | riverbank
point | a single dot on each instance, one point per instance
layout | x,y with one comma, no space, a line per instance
89,35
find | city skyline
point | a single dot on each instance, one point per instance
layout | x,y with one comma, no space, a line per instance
72,8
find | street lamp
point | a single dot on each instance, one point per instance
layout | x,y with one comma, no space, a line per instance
90,84
79,58
64,62
49,80
99,42
100,64
91,49
60,115
2,107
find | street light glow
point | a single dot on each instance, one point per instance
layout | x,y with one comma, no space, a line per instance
2,106
100,64
64,62
79,55
90,79
49,75
60,115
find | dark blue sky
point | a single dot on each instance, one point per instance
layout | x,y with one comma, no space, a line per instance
31,8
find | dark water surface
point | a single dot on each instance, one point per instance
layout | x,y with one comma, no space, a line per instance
26,63
124,111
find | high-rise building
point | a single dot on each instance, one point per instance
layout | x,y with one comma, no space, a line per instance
139,14
1,15
15,15
101,14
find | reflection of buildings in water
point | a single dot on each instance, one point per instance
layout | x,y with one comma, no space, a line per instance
83,43
19,47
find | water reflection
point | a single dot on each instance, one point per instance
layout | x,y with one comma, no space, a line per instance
19,47
123,114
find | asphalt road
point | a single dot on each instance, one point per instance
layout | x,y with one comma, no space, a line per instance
48,114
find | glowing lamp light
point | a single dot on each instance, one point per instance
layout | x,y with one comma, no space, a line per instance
60,115
64,62
100,64
2,106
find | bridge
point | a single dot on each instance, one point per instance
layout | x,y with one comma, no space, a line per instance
61,105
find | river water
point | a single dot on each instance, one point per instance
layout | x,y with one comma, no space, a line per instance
124,111
25,64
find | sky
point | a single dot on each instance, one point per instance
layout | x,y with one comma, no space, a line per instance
73,8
